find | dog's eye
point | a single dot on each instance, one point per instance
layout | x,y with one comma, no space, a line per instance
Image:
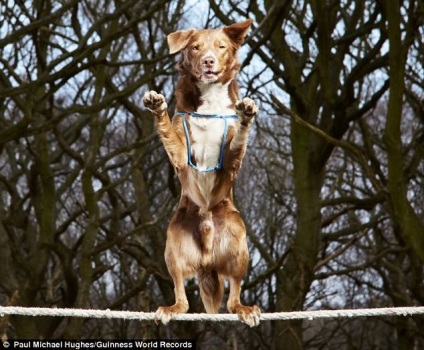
221,46
195,47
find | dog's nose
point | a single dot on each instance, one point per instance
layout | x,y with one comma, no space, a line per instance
208,62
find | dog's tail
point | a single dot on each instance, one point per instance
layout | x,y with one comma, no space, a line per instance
211,290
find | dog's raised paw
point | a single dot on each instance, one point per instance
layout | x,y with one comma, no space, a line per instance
154,102
246,109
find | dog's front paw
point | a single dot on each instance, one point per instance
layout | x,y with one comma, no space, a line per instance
246,110
155,102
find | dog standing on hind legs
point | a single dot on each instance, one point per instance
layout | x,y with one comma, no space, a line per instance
206,142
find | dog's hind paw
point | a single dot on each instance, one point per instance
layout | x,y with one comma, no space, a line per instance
155,102
250,315
246,110
164,314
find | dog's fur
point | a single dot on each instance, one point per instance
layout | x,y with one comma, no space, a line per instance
206,235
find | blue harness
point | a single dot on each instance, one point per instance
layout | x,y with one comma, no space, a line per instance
224,137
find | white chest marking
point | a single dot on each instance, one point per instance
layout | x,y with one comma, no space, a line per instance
206,146
206,141
215,99
207,133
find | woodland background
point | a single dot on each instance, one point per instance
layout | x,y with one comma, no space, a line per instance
332,187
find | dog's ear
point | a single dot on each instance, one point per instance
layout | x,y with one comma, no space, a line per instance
237,31
179,40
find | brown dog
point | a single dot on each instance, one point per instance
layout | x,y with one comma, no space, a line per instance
206,143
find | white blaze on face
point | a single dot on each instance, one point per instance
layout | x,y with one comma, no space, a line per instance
210,67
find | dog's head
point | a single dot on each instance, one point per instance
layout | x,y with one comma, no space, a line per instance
210,55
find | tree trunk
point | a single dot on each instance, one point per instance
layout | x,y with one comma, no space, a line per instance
404,214
295,278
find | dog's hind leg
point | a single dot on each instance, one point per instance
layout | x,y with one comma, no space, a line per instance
235,269
211,290
247,314
180,257
164,314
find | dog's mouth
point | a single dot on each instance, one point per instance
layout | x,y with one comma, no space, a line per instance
210,75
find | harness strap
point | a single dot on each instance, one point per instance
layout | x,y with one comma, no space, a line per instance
224,137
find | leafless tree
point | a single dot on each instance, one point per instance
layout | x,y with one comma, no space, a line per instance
331,189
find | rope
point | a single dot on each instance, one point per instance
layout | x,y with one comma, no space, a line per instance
150,316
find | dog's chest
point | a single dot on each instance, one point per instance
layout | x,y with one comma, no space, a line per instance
206,146
207,133
207,140
214,99
207,137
